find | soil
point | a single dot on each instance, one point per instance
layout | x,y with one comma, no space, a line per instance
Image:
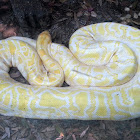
62,18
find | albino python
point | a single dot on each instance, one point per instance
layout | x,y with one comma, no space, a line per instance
102,67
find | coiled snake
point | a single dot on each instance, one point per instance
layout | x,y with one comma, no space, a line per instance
102,68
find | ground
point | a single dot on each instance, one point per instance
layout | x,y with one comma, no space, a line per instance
62,18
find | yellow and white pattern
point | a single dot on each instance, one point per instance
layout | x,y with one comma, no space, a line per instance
102,68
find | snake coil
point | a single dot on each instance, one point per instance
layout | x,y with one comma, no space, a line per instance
102,67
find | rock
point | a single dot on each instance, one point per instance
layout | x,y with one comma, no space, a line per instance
86,13
79,14
127,9
128,16
135,16
69,14
122,18
93,14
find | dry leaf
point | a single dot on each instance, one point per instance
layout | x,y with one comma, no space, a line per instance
15,128
14,137
4,136
48,129
137,22
100,2
23,131
90,137
73,136
1,128
84,132
7,130
60,137
10,32
2,27
58,128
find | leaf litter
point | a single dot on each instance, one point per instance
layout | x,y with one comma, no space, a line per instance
15,128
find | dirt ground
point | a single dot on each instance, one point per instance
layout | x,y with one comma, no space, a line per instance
63,17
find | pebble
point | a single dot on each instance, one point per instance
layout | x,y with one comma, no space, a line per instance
124,22
127,9
93,14
69,14
79,14
128,16
123,18
86,13
135,16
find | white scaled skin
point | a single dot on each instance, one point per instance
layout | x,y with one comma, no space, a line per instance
102,68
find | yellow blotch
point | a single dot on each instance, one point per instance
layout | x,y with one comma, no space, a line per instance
113,66
39,79
135,33
109,32
22,44
52,79
101,30
26,53
57,71
81,100
129,70
30,63
42,52
12,47
1,46
94,29
89,81
81,81
7,100
42,41
103,83
49,41
116,80
125,101
53,64
102,109
99,69
91,55
20,60
23,99
48,100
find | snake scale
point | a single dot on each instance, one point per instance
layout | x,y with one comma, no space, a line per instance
102,67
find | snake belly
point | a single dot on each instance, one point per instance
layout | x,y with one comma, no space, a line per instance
102,67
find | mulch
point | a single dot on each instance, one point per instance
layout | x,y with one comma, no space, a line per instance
62,18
